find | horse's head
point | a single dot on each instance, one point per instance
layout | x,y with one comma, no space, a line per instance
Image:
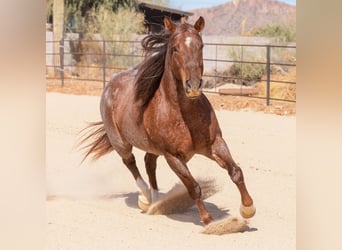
185,49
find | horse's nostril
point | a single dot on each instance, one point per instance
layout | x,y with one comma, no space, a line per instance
200,83
187,84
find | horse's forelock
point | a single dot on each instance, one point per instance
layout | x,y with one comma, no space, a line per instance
184,29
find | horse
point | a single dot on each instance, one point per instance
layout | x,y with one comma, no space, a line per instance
158,106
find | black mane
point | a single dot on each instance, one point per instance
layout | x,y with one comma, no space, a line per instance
151,70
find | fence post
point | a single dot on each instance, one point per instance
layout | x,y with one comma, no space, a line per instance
132,53
61,59
268,74
241,69
216,67
104,63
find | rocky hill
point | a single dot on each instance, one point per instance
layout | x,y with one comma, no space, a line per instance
238,17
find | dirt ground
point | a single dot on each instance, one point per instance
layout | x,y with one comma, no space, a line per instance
224,102
94,205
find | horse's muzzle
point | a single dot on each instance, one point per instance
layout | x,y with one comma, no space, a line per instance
193,89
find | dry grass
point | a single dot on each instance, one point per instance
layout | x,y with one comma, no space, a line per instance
238,103
280,90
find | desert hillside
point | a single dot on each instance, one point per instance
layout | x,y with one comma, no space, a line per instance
239,16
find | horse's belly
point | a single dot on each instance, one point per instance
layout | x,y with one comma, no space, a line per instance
142,142
137,137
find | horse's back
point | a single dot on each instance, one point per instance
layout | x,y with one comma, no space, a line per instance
119,88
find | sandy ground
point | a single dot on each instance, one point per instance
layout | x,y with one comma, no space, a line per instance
94,205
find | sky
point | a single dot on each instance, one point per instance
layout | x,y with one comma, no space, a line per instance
195,4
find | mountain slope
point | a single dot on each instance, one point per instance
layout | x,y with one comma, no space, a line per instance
240,16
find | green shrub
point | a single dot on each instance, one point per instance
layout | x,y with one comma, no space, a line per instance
247,72
112,25
283,33
116,26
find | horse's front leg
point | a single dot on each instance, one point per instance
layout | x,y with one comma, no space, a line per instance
220,153
194,190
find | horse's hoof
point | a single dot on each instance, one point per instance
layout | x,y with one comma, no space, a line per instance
247,212
143,203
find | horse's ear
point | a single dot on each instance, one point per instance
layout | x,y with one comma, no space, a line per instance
169,25
199,25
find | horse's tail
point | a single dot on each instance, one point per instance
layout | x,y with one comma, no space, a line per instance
94,141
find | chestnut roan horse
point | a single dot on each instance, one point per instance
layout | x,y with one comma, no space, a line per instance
158,107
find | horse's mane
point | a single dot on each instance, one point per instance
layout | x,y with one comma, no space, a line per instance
151,70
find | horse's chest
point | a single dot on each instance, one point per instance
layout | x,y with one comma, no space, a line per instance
177,129
199,129
179,136
171,134
169,130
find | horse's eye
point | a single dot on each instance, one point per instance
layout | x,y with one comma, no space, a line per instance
174,49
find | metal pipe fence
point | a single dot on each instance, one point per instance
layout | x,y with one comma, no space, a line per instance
239,65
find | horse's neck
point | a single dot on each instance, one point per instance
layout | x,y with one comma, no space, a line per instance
171,88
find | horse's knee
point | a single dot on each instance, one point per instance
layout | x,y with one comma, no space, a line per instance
234,170
129,160
236,175
194,191
130,163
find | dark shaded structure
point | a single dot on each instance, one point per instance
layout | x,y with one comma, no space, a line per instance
154,16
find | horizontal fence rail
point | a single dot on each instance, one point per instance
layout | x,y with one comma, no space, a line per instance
232,69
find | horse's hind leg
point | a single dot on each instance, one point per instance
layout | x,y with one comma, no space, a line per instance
124,149
194,190
144,200
220,153
151,165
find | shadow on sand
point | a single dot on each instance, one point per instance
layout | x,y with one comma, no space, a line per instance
187,215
